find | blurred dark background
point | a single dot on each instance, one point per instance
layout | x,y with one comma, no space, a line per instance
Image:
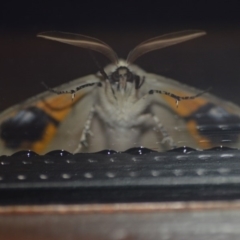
25,60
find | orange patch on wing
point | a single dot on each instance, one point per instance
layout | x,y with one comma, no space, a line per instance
58,107
185,107
49,133
202,142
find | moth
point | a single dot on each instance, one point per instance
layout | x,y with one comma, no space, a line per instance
120,107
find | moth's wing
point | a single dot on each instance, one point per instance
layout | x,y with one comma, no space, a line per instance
203,122
47,121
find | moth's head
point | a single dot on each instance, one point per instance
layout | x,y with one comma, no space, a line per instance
121,76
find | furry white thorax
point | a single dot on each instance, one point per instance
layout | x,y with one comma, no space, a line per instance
119,103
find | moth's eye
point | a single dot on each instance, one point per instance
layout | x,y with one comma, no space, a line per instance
122,73
129,76
115,76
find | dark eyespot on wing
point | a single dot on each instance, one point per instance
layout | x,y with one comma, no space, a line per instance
27,126
216,123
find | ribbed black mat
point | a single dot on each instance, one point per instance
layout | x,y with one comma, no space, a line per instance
137,175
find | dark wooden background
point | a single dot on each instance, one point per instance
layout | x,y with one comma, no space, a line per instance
26,60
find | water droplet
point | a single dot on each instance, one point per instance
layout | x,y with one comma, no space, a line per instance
21,177
200,171
25,154
26,162
155,173
133,174
183,150
139,151
5,162
66,176
49,161
135,159
58,153
112,160
92,160
204,156
88,175
107,152
178,172
223,170
110,174
70,161
182,157
227,155
43,176
224,127
160,158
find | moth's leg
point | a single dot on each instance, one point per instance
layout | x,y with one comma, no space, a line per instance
85,132
109,92
166,137
151,120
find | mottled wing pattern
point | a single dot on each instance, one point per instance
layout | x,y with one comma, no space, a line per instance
203,122
47,121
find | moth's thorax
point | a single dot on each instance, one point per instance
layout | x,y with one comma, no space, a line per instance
118,98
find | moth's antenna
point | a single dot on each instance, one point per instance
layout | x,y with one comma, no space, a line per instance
162,42
83,42
100,68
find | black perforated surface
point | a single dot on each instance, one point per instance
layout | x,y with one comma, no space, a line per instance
137,175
